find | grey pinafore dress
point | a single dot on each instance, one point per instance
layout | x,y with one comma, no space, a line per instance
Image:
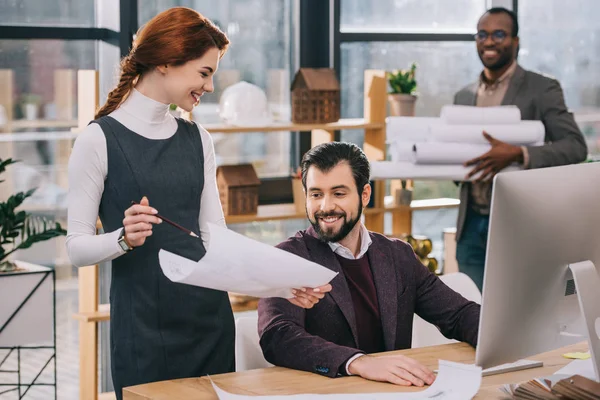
161,330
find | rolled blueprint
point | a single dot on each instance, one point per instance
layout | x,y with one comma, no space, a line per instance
408,170
460,115
447,153
521,133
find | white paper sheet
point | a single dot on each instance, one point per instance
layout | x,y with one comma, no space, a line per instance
408,170
455,114
454,382
521,133
409,129
584,368
236,263
447,153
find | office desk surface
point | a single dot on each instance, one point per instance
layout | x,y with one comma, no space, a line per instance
280,381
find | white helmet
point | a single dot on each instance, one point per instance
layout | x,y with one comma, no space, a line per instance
244,104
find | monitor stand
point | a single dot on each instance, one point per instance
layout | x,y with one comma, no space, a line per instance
587,283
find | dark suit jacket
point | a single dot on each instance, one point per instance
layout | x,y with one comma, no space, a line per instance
323,338
539,98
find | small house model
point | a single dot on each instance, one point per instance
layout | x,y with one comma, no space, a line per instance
238,189
315,96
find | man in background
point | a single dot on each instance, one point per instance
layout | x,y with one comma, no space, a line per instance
504,82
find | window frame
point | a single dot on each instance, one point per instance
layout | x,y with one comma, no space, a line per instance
365,36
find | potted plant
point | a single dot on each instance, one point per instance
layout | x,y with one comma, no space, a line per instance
30,105
402,95
18,229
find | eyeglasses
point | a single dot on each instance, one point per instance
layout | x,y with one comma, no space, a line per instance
498,36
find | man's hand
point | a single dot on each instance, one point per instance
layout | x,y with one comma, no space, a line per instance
500,156
307,297
399,370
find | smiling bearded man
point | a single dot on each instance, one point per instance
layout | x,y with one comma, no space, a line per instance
379,287
538,97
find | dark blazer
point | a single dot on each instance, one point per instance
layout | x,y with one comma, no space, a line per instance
323,338
539,98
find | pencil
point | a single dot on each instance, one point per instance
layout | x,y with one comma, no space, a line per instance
172,223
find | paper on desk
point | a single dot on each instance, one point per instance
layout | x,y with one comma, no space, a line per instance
454,382
584,368
236,263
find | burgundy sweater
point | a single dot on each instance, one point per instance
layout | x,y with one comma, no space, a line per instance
364,299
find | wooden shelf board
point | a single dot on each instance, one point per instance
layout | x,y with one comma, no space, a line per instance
40,123
103,314
288,211
345,123
349,123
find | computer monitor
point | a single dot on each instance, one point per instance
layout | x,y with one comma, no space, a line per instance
543,223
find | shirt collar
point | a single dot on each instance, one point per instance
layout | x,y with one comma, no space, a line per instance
365,242
505,76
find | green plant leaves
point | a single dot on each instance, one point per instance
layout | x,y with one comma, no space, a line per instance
19,224
402,81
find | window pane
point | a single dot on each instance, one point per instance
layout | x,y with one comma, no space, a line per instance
437,82
38,97
411,15
569,52
33,67
48,12
260,53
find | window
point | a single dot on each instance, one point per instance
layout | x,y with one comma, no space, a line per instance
260,53
446,63
39,91
567,51
60,13
438,78
34,63
434,16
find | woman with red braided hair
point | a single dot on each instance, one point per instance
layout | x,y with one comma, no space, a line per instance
135,150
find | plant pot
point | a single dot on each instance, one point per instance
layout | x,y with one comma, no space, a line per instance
299,199
402,105
30,111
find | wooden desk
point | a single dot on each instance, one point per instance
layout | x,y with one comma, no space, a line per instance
280,381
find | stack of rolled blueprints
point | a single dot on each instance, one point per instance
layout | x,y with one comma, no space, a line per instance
437,148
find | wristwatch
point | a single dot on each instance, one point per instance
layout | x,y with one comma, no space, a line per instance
123,243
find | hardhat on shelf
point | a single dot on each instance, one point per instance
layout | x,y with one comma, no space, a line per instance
244,104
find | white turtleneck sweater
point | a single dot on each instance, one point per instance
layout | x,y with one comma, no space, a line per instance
88,167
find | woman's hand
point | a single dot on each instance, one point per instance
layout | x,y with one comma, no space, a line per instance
138,222
308,297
